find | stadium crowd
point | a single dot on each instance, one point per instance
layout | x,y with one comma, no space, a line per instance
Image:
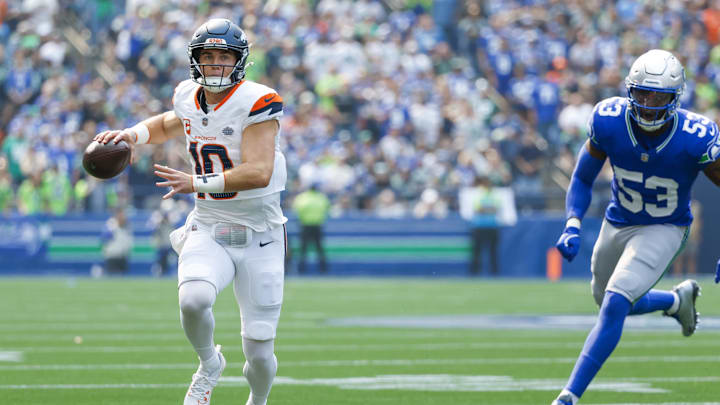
390,106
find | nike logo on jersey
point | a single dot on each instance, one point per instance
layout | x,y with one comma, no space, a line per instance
266,243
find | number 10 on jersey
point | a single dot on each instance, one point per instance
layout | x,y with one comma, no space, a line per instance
206,165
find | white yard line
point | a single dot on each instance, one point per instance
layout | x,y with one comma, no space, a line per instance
234,337
11,356
230,338
374,363
98,316
662,403
158,332
232,343
414,382
86,386
49,337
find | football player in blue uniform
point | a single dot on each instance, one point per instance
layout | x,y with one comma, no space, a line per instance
656,151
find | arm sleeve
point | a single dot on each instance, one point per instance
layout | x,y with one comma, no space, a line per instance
579,193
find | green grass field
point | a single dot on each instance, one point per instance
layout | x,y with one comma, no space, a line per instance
83,341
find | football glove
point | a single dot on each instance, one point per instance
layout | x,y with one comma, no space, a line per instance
569,243
717,273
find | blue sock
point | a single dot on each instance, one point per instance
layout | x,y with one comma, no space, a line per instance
600,342
654,300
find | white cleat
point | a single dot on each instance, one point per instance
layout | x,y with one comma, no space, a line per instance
203,383
563,400
686,315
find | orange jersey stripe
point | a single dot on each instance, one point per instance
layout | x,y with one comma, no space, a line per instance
226,98
195,97
266,100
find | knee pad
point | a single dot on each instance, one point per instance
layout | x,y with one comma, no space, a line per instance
259,330
196,296
259,353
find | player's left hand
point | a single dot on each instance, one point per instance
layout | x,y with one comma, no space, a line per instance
178,181
717,273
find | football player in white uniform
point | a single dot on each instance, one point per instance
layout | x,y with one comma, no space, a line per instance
236,232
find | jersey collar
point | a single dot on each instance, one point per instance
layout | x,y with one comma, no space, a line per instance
633,139
199,97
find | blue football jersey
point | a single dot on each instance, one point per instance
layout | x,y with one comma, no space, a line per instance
651,185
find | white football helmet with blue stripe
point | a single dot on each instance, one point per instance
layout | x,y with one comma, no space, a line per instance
655,83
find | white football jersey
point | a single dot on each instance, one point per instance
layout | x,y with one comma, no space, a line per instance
213,141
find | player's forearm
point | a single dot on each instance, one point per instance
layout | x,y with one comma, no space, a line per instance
248,176
579,193
158,128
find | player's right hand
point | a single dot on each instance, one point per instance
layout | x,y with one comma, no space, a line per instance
569,243
116,136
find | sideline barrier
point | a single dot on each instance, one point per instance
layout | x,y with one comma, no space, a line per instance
356,245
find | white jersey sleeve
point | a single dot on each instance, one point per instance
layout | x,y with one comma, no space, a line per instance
266,104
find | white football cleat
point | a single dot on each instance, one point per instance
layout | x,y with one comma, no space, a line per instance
563,400
686,315
203,383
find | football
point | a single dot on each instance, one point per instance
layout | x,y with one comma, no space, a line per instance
106,161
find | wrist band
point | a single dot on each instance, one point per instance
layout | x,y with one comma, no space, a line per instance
209,183
142,133
574,222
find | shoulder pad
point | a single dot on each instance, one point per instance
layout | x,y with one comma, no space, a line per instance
607,114
700,135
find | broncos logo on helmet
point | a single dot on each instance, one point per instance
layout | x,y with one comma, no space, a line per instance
655,83
218,33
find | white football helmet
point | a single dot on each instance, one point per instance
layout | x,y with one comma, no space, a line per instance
655,83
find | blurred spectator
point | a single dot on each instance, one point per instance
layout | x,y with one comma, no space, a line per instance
485,226
546,100
80,191
573,119
21,84
117,243
529,163
386,205
30,199
163,221
430,204
311,208
7,195
56,191
711,18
